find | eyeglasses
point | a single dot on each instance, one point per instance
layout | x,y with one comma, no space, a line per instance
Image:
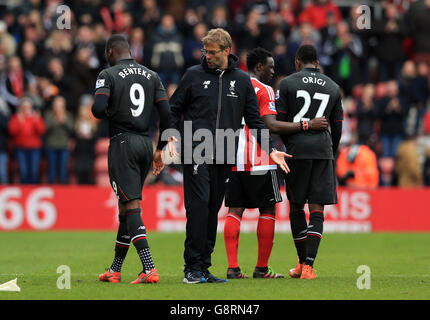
211,52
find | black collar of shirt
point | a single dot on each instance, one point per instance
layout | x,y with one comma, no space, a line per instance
125,61
312,69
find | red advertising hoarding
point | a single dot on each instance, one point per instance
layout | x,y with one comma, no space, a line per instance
95,208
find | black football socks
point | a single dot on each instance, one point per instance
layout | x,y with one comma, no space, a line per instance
122,244
299,228
136,230
314,235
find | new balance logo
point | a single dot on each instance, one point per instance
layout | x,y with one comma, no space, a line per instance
141,228
206,83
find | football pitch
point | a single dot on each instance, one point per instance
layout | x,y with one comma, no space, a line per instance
393,266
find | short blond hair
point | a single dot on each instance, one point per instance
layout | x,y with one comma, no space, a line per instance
218,36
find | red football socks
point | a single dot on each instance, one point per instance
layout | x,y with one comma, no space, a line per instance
265,236
231,239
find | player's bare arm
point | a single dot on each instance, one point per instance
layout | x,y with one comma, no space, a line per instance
282,127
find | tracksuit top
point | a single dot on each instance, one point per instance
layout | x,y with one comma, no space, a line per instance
216,99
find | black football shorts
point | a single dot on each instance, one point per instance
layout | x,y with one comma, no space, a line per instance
311,180
129,160
248,190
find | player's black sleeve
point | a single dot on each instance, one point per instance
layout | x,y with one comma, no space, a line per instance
100,105
163,108
161,102
281,102
336,133
254,121
336,120
101,95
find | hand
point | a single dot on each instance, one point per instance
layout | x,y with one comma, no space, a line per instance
278,157
319,123
157,163
172,147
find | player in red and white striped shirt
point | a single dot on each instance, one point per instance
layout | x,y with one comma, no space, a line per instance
250,157
254,181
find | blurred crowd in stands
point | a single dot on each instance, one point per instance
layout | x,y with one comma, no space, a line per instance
47,77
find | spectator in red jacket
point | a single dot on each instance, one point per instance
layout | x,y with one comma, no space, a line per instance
317,11
26,127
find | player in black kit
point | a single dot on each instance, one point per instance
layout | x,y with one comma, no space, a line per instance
303,96
125,94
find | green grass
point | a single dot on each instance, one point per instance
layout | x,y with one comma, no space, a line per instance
399,264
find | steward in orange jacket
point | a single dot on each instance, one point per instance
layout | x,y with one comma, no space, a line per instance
357,167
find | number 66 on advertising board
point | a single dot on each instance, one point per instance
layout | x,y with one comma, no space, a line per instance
39,213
